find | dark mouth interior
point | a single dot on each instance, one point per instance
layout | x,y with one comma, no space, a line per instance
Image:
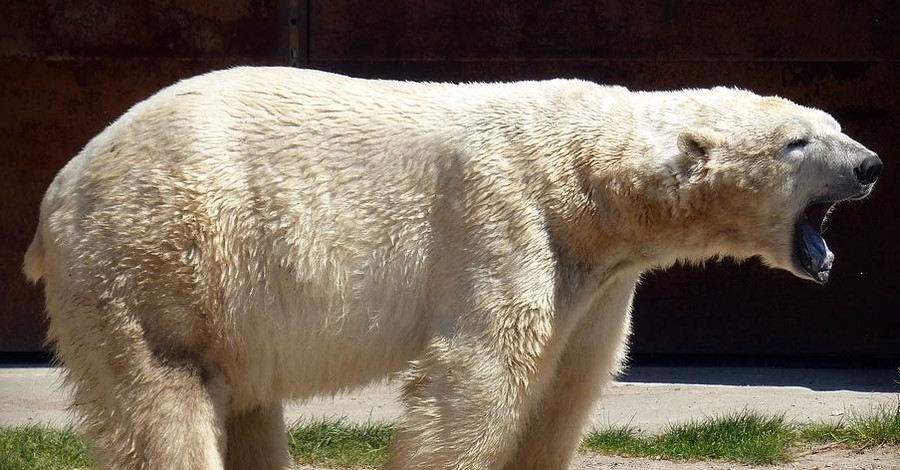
816,213
811,251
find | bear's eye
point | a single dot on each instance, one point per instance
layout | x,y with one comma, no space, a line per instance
796,144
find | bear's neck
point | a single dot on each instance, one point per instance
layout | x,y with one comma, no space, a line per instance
607,188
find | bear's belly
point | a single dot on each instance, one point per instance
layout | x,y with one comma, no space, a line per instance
318,340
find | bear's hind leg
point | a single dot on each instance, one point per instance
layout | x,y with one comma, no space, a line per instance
256,439
138,408
159,418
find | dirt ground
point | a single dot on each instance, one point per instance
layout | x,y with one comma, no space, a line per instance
648,398
822,458
881,458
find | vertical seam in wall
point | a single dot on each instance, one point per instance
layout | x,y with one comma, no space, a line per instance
293,33
308,32
298,50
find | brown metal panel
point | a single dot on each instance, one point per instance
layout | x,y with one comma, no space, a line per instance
50,110
55,107
150,28
67,69
750,310
609,29
834,54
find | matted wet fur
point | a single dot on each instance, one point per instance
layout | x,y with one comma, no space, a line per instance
256,235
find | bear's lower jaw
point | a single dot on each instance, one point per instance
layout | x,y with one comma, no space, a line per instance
811,253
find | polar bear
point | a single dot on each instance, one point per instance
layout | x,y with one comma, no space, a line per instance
257,235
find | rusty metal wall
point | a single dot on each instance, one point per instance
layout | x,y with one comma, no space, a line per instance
69,68
841,56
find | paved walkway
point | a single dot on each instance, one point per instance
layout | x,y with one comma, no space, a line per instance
648,397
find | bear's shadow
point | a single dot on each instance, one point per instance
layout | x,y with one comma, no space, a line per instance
816,379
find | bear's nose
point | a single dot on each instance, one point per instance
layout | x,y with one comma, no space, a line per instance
867,172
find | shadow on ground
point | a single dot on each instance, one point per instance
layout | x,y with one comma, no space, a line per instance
885,380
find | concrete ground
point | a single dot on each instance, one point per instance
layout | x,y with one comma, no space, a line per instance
648,398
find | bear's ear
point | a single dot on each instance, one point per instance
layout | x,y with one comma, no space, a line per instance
696,144
694,148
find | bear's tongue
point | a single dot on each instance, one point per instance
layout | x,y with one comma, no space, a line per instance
817,258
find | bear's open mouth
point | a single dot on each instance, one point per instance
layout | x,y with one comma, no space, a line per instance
810,250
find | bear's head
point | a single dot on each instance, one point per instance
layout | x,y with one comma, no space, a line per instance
761,174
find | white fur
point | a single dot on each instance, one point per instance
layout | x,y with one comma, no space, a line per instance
262,234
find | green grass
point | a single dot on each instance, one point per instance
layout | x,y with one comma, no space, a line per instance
618,440
878,426
745,437
337,443
39,446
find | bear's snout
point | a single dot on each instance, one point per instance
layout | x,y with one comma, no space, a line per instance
867,171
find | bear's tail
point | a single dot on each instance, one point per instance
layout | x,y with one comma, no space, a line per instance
34,258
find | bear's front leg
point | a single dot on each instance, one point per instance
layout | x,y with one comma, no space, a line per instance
490,321
592,356
466,397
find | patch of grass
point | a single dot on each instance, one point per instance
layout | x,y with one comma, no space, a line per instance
745,437
332,442
40,446
821,433
877,426
618,440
